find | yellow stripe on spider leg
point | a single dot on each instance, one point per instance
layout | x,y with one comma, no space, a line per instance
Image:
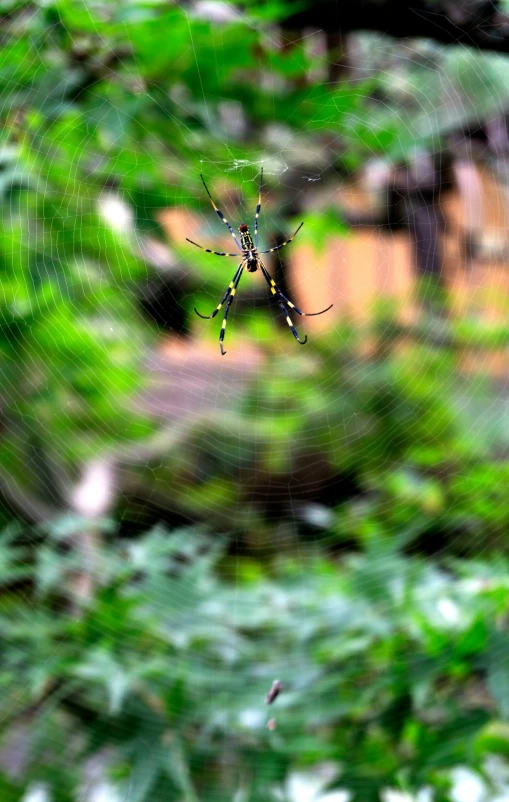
290,324
231,293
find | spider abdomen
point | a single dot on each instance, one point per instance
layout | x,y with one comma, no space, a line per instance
251,254
245,238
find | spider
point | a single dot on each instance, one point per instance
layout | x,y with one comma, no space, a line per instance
251,262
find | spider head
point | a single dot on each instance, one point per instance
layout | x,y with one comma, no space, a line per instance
243,228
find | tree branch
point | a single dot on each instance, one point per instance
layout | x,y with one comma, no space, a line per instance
476,23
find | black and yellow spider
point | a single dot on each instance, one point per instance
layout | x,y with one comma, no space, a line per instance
251,262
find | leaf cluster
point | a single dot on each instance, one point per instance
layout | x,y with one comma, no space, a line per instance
393,669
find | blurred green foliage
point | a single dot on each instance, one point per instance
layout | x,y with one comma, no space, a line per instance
126,102
132,101
393,668
397,441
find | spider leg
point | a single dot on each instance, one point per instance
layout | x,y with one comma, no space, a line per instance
257,213
221,215
292,327
287,242
230,299
231,289
276,291
207,250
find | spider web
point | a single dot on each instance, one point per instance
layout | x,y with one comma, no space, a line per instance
191,383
